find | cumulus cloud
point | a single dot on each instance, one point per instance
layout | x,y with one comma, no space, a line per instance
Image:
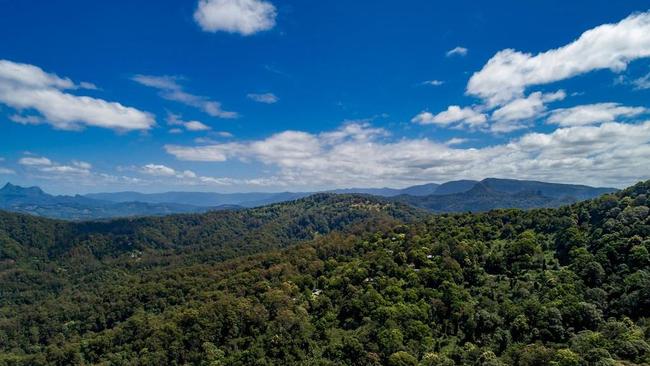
216,152
457,51
612,153
224,134
170,89
45,165
502,83
519,113
175,120
196,126
76,167
245,17
35,161
268,98
188,177
593,114
158,170
454,116
47,98
610,46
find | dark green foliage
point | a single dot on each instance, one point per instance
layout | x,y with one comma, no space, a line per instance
567,286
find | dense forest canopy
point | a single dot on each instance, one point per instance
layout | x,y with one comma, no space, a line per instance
332,280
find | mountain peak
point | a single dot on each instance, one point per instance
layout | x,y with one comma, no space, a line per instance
480,188
13,189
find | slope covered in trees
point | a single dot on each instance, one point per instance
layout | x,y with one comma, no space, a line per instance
492,193
566,286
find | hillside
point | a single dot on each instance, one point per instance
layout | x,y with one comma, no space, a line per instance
219,233
492,193
379,285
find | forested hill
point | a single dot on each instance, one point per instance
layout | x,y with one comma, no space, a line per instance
566,286
217,234
492,193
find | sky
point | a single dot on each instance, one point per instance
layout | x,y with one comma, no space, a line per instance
278,95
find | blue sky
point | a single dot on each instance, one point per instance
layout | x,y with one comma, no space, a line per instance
253,95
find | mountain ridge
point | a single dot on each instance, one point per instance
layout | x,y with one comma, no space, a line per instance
33,200
453,196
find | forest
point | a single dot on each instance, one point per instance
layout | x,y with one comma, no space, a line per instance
332,280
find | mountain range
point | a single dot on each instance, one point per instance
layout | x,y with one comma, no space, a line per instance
492,193
453,196
32,200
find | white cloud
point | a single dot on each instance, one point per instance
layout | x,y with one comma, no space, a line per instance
456,141
593,114
35,161
519,113
642,82
245,17
27,88
460,51
454,116
215,152
6,171
433,82
196,126
224,134
612,153
188,177
45,165
158,170
75,168
268,98
170,89
610,46
175,120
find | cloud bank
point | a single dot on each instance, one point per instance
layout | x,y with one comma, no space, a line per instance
361,155
41,97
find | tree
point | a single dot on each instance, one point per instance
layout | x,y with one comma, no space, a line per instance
402,358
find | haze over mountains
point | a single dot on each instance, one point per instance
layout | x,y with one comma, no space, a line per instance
454,196
33,200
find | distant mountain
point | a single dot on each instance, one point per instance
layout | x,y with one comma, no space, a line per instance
492,193
382,192
455,186
32,200
454,196
421,190
555,190
252,199
201,199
